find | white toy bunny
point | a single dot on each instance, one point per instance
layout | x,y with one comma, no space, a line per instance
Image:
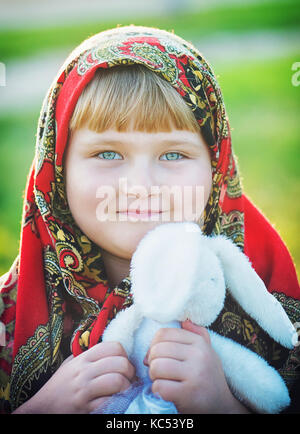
177,273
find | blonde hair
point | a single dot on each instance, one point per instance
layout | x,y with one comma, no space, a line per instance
131,97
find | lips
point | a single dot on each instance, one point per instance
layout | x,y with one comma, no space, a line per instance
139,212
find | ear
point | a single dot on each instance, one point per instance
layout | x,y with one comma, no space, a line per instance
250,377
251,293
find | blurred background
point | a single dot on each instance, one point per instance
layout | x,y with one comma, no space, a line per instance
253,47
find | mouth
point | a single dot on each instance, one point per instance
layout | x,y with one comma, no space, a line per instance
137,213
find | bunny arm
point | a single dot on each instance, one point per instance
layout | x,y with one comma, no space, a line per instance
122,328
250,378
250,292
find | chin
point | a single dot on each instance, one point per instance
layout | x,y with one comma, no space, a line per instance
123,239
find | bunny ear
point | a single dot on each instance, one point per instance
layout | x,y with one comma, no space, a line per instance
250,292
250,377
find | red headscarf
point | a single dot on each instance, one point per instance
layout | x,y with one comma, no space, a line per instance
57,290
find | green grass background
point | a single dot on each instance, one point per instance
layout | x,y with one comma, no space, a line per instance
262,105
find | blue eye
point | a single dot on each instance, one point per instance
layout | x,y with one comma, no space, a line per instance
173,156
109,155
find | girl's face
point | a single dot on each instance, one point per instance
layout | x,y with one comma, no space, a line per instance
120,185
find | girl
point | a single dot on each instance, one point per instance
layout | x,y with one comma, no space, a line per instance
138,105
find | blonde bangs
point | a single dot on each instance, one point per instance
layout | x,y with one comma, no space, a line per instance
131,97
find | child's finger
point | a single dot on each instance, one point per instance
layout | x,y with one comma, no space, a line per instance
167,389
117,364
199,330
145,361
170,350
167,369
178,335
103,349
107,385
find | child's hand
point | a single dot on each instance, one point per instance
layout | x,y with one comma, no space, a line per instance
186,370
83,383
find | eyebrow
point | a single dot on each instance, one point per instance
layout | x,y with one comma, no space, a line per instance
167,142
180,143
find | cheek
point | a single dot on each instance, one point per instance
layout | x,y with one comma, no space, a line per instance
206,181
196,192
198,175
191,186
82,186
83,182
80,191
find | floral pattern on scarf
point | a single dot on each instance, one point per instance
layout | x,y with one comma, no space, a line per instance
59,275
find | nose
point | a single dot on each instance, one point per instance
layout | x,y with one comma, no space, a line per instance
139,179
